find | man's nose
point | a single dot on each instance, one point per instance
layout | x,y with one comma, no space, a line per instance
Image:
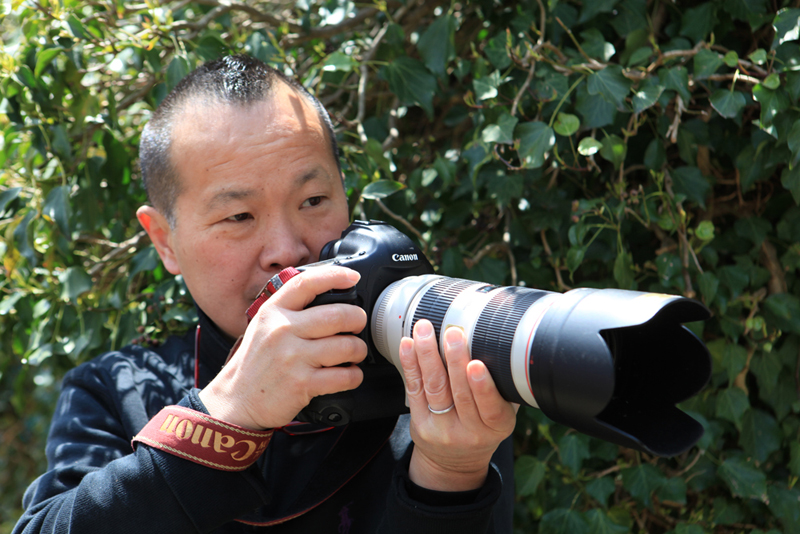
283,246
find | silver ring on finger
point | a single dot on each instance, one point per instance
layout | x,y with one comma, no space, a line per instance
441,412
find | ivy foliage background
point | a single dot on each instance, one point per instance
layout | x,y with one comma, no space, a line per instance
640,144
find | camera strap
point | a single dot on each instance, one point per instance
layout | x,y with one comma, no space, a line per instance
203,439
274,284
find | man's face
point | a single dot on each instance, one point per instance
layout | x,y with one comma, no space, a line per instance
260,192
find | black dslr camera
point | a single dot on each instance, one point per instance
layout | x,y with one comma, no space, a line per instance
607,362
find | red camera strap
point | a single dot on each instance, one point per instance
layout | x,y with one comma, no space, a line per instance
274,284
203,439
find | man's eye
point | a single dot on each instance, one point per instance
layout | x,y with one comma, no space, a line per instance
239,217
311,202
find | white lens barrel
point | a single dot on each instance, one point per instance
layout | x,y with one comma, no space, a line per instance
499,323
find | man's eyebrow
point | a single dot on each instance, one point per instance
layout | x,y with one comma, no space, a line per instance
223,197
313,174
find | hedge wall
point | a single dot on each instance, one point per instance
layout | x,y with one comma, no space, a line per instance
639,144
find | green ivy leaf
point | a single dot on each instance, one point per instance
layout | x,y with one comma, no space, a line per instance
686,528
731,59
563,521
655,156
734,358
705,63
573,449
676,79
732,403
566,124
74,283
595,110
600,523
630,16
772,102
56,208
647,95
590,10
742,479
743,9
726,512
611,84
502,132
698,22
614,150
339,61
486,87
575,258
760,435
691,182
790,180
705,231
589,146
44,58
783,311
143,261
7,196
7,304
753,229
528,474
641,481
772,81
374,150
23,241
787,26
794,461
77,28
381,189
708,283
436,45
601,489
674,489
411,82
785,504
535,140
734,278
623,270
727,103
178,68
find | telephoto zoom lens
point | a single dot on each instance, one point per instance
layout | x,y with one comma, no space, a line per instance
610,363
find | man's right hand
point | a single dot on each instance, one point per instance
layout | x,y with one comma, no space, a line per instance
290,354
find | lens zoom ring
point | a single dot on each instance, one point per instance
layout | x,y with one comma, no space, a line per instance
434,304
494,335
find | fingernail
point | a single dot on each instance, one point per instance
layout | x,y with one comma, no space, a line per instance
480,374
353,276
424,329
453,338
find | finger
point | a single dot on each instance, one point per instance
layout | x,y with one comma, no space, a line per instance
334,350
457,355
335,379
328,320
299,291
417,402
495,412
435,381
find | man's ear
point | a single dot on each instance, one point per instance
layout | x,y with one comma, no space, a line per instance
157,227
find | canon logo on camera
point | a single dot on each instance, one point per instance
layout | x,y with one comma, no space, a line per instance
405,257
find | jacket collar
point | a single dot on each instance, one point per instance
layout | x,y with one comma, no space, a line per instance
212,347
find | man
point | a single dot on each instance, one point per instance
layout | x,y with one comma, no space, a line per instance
241,168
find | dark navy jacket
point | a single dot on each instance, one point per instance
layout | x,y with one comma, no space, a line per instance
345,481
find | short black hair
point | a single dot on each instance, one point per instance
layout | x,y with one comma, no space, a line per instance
238,79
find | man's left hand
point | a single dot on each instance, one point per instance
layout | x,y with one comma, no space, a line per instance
452,450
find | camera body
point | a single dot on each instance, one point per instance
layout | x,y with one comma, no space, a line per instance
382,255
